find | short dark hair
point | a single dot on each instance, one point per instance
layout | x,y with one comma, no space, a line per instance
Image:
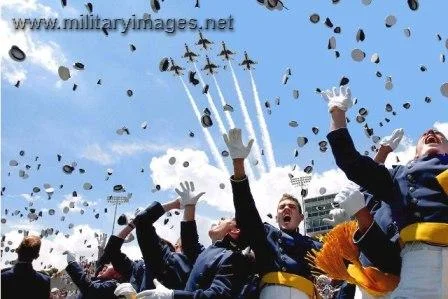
286,196
29,248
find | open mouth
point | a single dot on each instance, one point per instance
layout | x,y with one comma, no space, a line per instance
431,139
286,219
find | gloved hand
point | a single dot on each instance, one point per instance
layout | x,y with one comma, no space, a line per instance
350,199
338,98
187,196
337,215
129,238
126,290
70,256
102,238
160,292
393,140
237,150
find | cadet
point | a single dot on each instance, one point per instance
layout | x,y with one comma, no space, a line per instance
22,281
102,285
170,268
219,270
130,271
381,213
417,193
279,252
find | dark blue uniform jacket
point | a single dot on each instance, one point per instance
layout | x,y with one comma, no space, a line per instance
411,190
22,281
220,271
275,250
90,288
170,268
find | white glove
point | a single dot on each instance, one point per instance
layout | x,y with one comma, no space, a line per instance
129,238
393,140
102,238
187,196
160,292
350,199
237,150
70,257
340,98
126,290
337,215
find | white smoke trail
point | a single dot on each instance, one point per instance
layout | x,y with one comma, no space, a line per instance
265,137
221,127
211,143
247,121
223,102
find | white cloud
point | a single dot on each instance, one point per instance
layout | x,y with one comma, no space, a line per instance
30,198
442,127
95,153
266,190
205,176
47,55
77,202
28,7
14,73
77,242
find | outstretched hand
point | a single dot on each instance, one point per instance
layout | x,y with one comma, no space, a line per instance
101,238
340,98
234,142
160,292
350,199
187,195
393,140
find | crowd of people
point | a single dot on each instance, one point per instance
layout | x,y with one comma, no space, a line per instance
390,236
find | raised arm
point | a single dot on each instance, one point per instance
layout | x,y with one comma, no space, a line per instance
154,250
188,230
85,284
355,166
369,238
247,217
121,261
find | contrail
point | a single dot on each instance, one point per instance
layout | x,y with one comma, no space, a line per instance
223,102
265,137
211,143
212,104
247,121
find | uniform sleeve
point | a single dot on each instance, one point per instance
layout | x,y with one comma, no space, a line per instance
119,260
190,240
376,246
249,220
155,252
227,282
94,289
47,285
360,169
105,257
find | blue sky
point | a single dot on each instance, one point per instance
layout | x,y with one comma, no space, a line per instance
45,117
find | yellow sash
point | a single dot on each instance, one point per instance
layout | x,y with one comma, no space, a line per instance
442,178
431,232
290,280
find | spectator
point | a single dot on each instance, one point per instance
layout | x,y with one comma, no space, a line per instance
21,280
